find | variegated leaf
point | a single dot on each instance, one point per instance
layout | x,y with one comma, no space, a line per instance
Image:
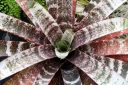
118,66
99,29
70,75
53,7
9,48
23,5
66,13
45,21
112,35
25,59
100,12
20,28
39,74
63,11
25,77
112,47
47,72
121,11
97,71
89,6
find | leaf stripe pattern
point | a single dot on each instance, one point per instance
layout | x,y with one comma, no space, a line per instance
24,59
108,47
53,7
111,36
46,22
9,48
22,4
100,12
71,76
97,71
26,76
66,14
90,6
20,28
63,11
97,30
118,66
47,72
39,74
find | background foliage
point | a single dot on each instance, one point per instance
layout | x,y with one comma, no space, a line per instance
10,7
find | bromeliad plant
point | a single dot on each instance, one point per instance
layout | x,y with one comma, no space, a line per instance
58,51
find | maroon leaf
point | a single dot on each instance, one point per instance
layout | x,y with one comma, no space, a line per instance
24,59
111,47
119,57
86,80
57,79
97,30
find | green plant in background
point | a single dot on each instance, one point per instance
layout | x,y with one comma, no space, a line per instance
10,7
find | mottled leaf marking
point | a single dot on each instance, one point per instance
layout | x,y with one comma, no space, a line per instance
24,59
99,29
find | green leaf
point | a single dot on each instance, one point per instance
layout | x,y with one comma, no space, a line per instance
62,46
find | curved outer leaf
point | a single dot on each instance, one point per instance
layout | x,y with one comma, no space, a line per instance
25,77
98,30
46,22
22,4
97,71
112,35
118,66
100,12
25,59
112,47
20,28
9,48
71,76
39,74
